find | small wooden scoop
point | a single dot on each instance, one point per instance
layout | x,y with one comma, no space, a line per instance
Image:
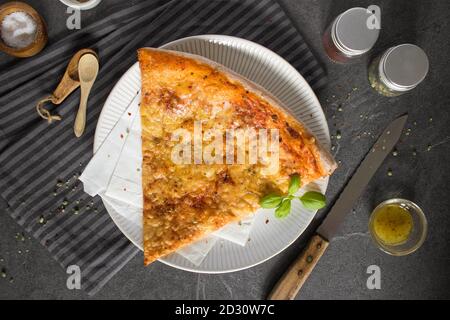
68,84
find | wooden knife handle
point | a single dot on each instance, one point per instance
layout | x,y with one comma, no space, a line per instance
294,278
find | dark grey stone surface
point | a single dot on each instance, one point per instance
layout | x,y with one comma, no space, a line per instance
341,273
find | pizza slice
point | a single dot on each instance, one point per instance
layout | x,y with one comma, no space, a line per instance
203,129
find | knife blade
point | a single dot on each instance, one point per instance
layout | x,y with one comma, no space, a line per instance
293,279
361,178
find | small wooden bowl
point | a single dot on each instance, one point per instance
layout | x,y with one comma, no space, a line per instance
41,33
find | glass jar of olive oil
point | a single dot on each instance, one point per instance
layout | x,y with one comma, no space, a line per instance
398,70
398,226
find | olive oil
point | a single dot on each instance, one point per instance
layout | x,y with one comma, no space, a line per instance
392,224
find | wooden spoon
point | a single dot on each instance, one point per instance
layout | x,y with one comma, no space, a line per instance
69,83
87,71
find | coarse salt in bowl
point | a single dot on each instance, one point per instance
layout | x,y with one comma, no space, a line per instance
23,32
18,30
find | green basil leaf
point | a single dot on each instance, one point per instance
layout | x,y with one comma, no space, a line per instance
294,184
313,200
284,209
270,201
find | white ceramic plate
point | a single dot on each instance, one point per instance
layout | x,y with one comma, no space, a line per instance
272,72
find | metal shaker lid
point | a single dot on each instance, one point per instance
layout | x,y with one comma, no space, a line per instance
403,67
351,32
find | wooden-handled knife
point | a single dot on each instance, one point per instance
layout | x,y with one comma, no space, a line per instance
293,279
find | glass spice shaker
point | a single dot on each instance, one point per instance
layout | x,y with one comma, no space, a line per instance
349,37
398,70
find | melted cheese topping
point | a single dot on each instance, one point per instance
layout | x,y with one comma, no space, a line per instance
184,202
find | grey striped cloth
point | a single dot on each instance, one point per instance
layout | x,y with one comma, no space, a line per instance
40,163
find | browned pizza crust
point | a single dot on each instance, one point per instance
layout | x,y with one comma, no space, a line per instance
184,202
